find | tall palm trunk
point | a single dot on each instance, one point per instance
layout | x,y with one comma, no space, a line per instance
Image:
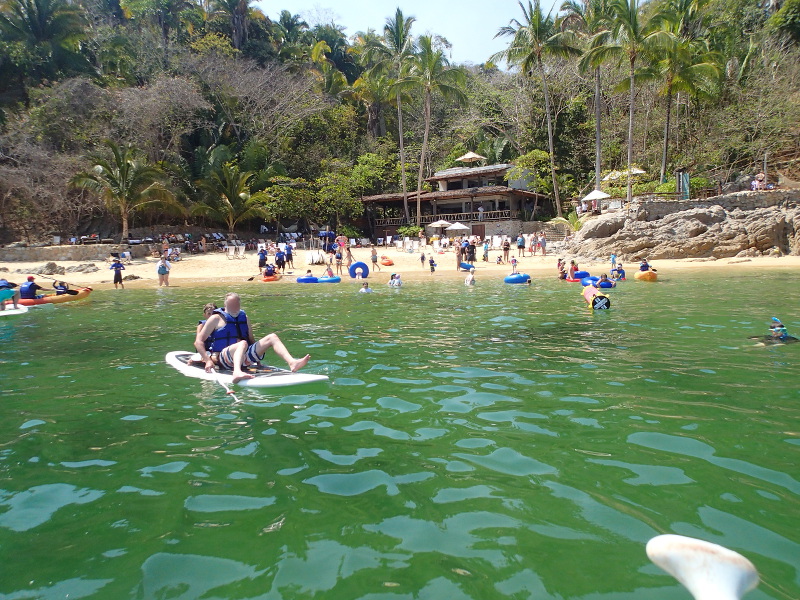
402,157
550,147
665,149
124,219
630,132
424,152
598,113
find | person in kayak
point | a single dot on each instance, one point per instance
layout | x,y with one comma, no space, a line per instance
7,292
234,346
27,291
61,287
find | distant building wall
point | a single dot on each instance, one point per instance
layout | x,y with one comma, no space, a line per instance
64,253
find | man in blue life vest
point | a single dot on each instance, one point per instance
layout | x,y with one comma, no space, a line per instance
234,347
27,291
7,292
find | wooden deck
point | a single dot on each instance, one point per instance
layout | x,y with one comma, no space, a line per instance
462,217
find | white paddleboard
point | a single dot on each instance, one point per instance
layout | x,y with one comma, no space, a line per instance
10,310
265,376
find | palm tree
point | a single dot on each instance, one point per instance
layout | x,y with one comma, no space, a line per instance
127,183
392,55
688,67
531,40
589,17
429,71
49,30
373,90
229,198
629,37
237,12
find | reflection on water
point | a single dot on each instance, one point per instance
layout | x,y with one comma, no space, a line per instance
473,443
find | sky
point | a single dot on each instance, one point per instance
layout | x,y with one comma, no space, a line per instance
469,25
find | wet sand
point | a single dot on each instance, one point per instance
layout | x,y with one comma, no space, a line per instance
215,267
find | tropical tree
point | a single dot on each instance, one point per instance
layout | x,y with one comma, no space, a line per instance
536,37
589,17
228,197
429,71
688,67
373,90
127,183
44,36
238,12
629,37
392,55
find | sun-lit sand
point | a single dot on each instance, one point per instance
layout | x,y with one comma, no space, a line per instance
215,267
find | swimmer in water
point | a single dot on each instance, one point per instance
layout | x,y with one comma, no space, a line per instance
778,334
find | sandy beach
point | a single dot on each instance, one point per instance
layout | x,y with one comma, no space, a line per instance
215,267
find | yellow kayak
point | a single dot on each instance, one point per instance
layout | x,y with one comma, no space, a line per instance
646,276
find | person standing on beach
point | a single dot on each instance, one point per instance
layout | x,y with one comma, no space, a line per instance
280,260
289,256
506,249
118,268
422,259
349,257
262,259
486,250
338,258
162,270
613,261
374,257
513,265
432,263
458,257
521,246
543,244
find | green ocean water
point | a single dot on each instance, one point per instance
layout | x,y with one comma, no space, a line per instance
496,442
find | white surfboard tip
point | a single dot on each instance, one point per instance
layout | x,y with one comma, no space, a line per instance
709,571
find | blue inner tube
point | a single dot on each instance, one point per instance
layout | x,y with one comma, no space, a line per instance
307,279
334,279
359,266
517,278
606,284
582,274
589,280
467,266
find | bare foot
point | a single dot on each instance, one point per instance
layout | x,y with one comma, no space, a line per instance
298,363
241,376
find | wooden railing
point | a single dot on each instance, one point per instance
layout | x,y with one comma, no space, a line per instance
461,217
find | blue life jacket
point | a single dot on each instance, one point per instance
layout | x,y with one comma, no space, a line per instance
60,289
210,338
644,267
279,256
270,271
4,285
621,273
289,251
235,330
28,290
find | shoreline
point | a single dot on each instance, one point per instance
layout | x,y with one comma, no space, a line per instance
201,269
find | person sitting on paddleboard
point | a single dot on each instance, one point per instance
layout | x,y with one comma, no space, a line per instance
27,291
7,292
269,271
208,310
61,287
234,346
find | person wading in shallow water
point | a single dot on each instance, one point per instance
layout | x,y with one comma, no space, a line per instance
233,346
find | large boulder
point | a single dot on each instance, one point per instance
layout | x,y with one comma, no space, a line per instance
694,233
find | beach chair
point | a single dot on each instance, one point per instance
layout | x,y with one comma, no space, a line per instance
229,252
379,242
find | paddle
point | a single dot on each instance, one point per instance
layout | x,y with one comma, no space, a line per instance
68,292
708,571
228,390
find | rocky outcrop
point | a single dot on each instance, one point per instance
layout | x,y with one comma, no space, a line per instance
52,268
694,233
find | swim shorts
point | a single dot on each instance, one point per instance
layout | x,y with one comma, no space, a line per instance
6,294
251,356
